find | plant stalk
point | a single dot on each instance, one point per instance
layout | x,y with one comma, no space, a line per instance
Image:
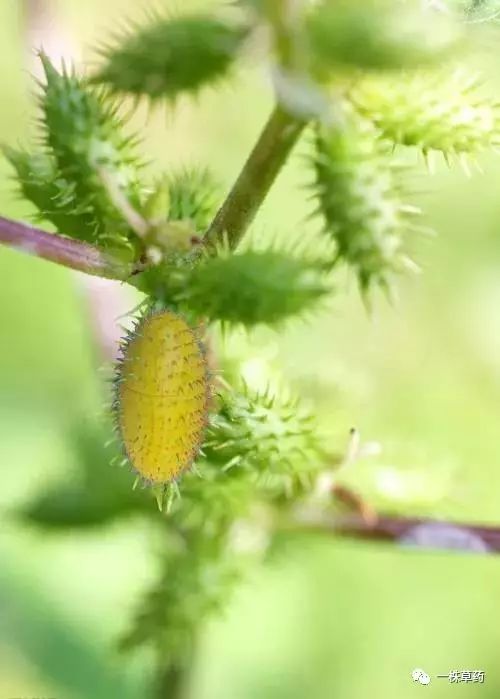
171,682
71,253
268,156
414,532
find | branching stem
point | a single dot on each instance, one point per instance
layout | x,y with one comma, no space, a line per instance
233,218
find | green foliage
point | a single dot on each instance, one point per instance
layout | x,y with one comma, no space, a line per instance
262,452
358,187
378,34
96,494
196,579
172,56
259,448
433,112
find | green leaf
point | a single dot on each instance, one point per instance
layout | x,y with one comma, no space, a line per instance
172,56
440,112
72,506
98,493
359,193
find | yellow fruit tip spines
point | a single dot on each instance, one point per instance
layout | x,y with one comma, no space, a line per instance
163,393
165,496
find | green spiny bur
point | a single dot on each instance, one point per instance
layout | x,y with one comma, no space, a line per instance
197,576
212,498
440,112
194,196
53,196
164,282
358,190
247,288
83,132
258,447
378,35
253,287
172,56
267,436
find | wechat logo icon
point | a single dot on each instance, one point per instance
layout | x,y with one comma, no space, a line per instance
419,675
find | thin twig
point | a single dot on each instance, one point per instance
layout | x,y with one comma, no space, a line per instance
64,251
134,219
417,532
271,151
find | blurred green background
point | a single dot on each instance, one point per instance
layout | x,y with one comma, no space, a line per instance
332,618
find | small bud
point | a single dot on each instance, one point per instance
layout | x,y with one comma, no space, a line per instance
173,236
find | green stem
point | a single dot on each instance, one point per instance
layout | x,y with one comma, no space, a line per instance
255,180
171,683
64,251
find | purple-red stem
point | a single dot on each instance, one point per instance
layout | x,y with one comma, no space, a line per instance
64,251
423,533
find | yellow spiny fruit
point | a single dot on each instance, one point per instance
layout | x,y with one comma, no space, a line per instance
162,398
